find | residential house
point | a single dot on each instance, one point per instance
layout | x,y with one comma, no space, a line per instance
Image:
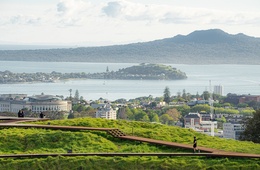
192,120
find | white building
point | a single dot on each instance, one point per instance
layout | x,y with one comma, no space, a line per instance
206,125
219,90
232,130
37,103
106,111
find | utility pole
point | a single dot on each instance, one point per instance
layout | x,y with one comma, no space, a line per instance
211,109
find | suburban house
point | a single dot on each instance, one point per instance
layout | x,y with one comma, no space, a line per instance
192,120
199,122
236,99
249,98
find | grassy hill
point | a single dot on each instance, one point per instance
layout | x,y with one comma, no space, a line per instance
14,140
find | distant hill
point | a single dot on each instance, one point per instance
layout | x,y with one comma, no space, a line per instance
212,46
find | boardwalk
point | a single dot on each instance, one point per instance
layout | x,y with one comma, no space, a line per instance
209,152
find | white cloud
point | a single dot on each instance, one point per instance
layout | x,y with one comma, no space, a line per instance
175,14
83,12
72,12
113,9
117,20
72,7
21,20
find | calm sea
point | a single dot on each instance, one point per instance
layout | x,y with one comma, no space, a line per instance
239,79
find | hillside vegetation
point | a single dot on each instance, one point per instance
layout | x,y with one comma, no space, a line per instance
14,140
147,72
199,47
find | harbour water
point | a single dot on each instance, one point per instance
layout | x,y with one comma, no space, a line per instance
239,79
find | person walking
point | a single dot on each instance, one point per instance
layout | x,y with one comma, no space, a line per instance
42,115
194,144
19,113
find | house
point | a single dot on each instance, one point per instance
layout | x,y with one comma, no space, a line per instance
236,99
195,121
106,111
206,125
192,120
249,98
205,116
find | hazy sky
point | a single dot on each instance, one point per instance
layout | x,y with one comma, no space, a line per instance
103,22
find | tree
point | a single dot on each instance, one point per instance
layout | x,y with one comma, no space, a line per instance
206,95
197,96
70,90
167,95
76,96
129,114
201,107
184,95
155,118
140,115
145,118
174,114
165,119
184,110
247,112
252,126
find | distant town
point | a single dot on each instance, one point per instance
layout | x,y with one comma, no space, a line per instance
208,113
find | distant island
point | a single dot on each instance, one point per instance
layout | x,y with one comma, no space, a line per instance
139,72
212,46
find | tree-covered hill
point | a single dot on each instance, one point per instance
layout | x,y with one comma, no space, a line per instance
14,141
199,47
148,72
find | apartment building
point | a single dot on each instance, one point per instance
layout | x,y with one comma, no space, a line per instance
106,111
232,130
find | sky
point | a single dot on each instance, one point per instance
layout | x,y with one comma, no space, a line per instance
107,22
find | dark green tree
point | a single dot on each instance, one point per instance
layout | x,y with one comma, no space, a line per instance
76,96
155,118
70,90
197,96
252,126
206,95
184,110
140,115
167,95
129,113
184,94
200,108
165,119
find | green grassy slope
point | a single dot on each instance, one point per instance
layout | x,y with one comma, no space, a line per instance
163,132
16,140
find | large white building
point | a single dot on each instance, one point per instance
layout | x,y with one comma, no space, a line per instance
106,111
36,103
232,130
